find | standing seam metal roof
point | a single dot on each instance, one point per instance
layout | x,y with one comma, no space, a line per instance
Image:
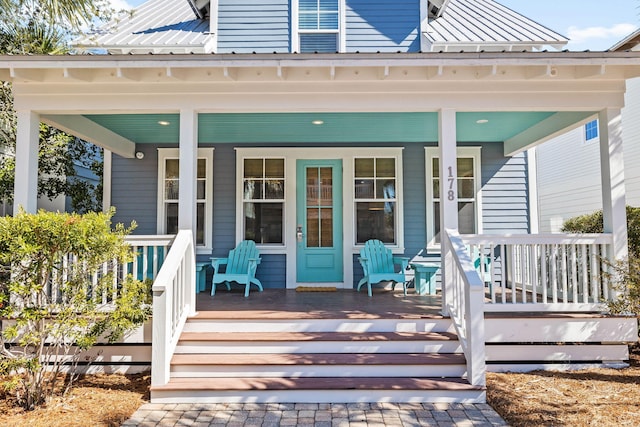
154,24
486,21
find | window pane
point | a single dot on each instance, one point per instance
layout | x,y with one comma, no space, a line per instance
435,167
385,189
328,21
466,218
172,218
200,224
364,189
326,227
436,188
312,187
201,186
172,169
318,42
326,187
252,190
313,228
274,168
385,168
274,190
364,168
466,188
202,168
329,5
253,168
465,167
308,21
308,5
171,189
263,222
375,220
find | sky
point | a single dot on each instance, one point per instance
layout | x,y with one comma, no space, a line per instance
590,24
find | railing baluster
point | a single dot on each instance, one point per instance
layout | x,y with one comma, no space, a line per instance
574,273
565,283
594,273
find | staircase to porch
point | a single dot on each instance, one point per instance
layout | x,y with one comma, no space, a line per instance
316,356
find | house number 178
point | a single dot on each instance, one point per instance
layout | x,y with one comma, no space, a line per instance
450,194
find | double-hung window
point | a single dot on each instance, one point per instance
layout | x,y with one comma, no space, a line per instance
319,25
169,192
376,199
469,201
263,198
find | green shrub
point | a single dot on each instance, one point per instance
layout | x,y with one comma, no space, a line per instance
592,223
53,304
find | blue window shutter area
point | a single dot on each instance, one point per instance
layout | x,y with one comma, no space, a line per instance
591,130
318,42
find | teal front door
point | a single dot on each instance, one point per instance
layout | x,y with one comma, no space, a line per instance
319,221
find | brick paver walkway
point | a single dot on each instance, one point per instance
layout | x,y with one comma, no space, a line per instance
315,415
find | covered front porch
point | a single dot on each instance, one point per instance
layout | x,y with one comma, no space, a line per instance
192,139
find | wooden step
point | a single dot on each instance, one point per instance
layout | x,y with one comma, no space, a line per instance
318,359
327,383
318,390
316,336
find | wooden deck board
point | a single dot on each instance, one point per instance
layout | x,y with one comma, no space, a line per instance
318,359
315,336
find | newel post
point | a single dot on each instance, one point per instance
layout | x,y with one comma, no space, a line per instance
161,333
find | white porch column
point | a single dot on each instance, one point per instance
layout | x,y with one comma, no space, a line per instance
106,180
448,192
188,170
25,190
612,173
187,194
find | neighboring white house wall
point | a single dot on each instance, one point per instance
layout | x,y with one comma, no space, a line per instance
569,182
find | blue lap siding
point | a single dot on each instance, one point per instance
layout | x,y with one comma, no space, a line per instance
504,199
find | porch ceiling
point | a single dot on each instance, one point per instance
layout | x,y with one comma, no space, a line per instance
335,127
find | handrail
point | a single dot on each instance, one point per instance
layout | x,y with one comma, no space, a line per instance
465,305
543,272
173,301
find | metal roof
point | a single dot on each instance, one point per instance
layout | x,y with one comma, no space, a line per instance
631,42
153,27
486,23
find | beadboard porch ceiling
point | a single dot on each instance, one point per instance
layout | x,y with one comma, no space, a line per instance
320,127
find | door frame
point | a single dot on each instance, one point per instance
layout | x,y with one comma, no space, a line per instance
291,156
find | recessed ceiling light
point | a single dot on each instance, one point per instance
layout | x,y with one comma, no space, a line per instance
163,123
318,122
482,121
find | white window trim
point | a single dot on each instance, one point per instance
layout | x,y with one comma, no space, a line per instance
399,222
295,28
174,153
430,153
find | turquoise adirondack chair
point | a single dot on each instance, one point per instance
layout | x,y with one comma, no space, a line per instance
379,264
241,265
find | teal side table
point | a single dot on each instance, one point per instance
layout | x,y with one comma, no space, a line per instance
425,277
201,275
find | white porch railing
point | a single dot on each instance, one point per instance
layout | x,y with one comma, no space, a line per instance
150,252
464,299
543,272
173,301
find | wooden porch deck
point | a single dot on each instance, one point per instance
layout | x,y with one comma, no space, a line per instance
342,304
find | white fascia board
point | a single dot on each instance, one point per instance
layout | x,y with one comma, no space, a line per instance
547,129
90,131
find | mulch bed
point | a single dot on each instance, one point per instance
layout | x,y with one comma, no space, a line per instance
96,400
593,397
